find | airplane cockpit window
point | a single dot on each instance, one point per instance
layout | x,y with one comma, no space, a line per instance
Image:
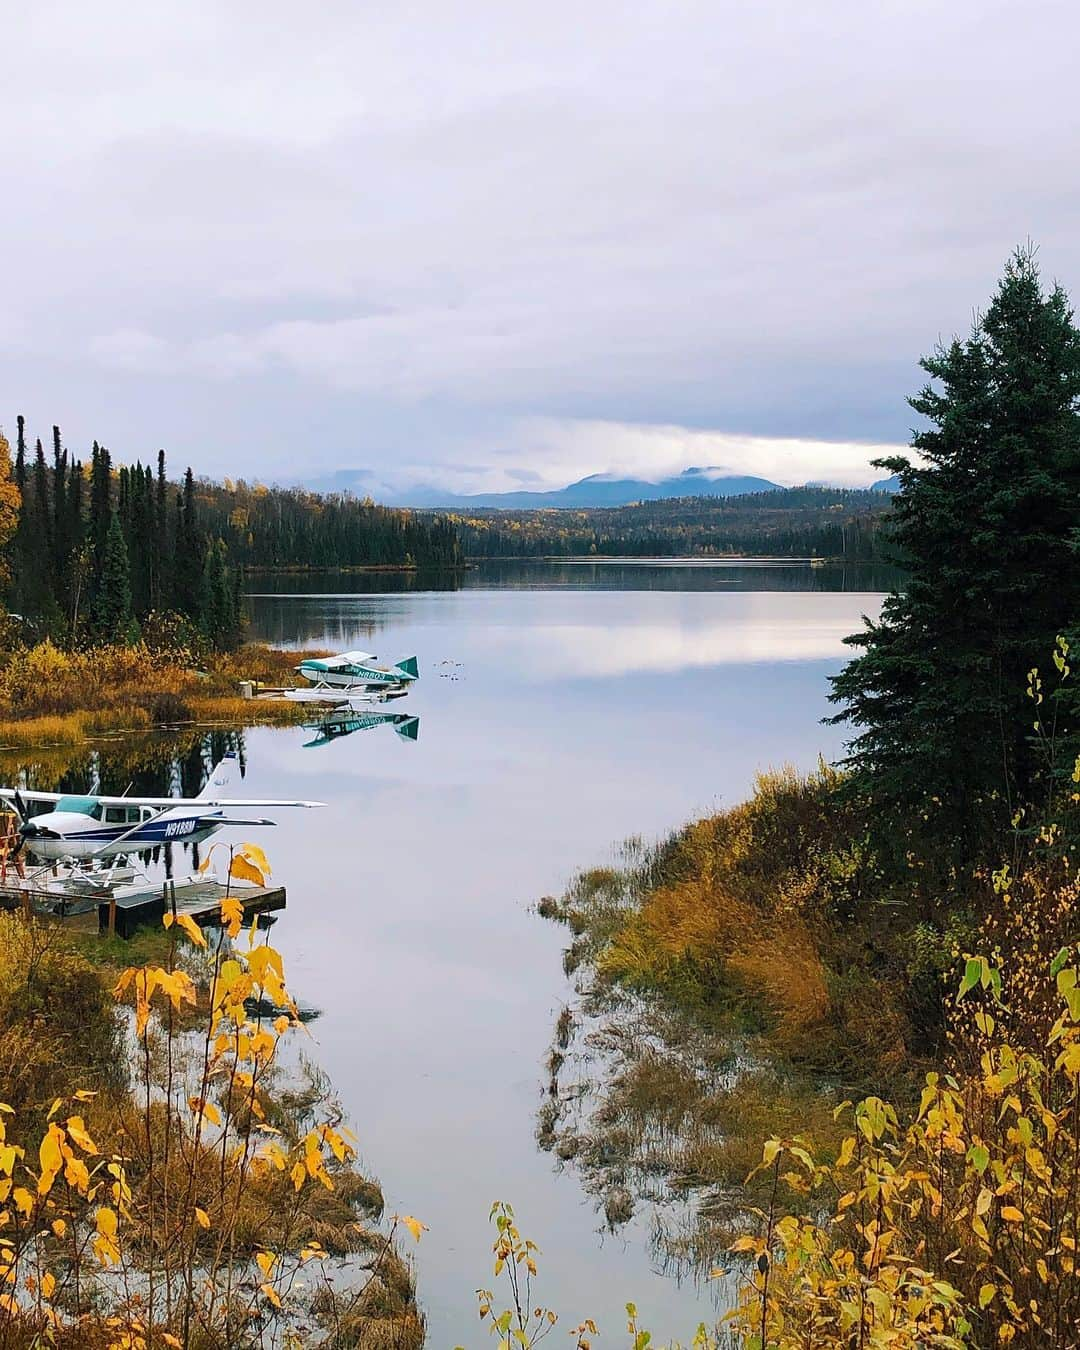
122,815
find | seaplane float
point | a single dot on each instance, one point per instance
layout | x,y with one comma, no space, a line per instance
84,830
357,672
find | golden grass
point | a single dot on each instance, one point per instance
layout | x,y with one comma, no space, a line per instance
56,1017
50,697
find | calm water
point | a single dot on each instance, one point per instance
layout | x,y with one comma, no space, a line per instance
562,709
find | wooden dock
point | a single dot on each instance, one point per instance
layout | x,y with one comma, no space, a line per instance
124,915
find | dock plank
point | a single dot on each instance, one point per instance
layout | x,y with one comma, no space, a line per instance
124,915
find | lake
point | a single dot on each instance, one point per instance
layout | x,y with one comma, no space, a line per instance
562,708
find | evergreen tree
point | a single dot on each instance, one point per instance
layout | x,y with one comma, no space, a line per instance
61,545
38,581
20,453
111,615
985,529
188,558
101,515
162,566
219,615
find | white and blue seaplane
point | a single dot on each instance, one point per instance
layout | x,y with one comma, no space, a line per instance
83,830
357,672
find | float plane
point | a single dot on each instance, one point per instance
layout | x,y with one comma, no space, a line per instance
357,671
83,828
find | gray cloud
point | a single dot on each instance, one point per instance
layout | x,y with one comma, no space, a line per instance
397,237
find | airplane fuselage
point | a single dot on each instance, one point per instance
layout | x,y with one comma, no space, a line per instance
75,834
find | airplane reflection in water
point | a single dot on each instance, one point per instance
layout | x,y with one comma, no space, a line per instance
335,725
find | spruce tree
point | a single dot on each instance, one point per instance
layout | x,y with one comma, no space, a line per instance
38,573
218,614
162,565
985,528
111,615
188,558
61,546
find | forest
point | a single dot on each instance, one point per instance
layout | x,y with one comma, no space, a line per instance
804,522
99,553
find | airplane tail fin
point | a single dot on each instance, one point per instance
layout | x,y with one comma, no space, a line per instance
221,779
409,729
409,667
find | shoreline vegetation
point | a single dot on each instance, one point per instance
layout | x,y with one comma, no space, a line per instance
50,696
843,1018
168,1177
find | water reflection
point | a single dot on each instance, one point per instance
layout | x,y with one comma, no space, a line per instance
150,764
334,726
633,574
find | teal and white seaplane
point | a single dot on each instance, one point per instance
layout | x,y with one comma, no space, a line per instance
357,672
81,829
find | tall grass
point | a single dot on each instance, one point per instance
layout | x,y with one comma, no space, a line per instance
50,695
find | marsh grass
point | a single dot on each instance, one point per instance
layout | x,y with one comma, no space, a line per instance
724,992
51,696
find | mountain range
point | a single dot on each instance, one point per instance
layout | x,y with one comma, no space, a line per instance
598,489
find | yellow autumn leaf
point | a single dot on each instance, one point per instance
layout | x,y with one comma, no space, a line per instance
265,1261
201,1217
106,1222
48,1284
77,1133
254,854
24,1201
232,915
271,1294
192,929
210,1111
51,1157
1011,1214
245,871
415,1227
59,1227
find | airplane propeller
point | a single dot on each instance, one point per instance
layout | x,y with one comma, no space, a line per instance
29,830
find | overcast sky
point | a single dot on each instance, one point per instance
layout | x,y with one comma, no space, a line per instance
504,244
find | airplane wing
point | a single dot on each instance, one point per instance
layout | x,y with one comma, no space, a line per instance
160,803
166,802
204,821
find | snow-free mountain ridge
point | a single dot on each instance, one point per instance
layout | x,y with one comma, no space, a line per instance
598,489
